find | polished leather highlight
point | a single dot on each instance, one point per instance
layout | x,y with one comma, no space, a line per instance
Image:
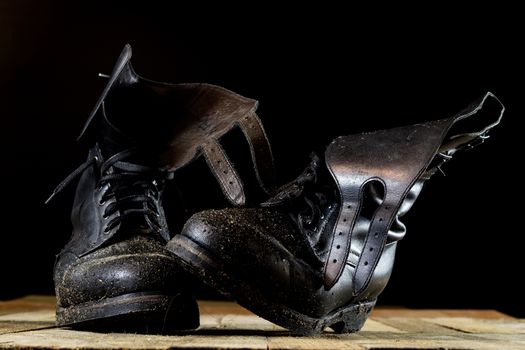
320,251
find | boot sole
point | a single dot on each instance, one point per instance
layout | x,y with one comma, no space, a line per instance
211,270
146,312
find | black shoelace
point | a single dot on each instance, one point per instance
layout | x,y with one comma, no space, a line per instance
136,188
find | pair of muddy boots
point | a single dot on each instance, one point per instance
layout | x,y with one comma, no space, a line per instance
315,254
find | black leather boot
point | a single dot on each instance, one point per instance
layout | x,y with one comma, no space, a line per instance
319,252
115,271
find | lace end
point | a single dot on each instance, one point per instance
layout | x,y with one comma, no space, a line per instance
50,198
70,177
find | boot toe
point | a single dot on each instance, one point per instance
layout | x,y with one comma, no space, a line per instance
135,266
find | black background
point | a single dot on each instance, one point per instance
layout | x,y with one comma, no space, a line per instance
318,73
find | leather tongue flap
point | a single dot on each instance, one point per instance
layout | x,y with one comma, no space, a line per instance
224,172
395,158
122,65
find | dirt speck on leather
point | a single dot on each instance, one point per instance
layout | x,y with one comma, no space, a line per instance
238,224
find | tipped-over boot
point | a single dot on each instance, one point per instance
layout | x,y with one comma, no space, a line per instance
115,272
319,252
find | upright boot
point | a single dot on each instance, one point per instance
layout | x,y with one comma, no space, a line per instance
115,271
319,252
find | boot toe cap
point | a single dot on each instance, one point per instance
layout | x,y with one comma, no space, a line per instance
123,268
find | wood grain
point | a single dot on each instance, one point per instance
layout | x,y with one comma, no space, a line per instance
29,323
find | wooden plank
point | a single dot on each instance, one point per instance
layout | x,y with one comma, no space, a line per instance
26,320
375,325
475,325
65,339
435,343
237,322
210,307
414,325
420,313
68,339
43,316
314,343
30,302
424,340
373,340
24,323
13,327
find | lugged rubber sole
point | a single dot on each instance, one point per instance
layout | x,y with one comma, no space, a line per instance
211,270
146,312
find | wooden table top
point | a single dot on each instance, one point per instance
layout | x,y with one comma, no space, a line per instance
29,323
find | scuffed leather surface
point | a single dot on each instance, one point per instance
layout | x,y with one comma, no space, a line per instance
90,225
139,264
263,246
100,263
258,245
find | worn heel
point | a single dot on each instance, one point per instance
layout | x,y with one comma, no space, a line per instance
353,318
